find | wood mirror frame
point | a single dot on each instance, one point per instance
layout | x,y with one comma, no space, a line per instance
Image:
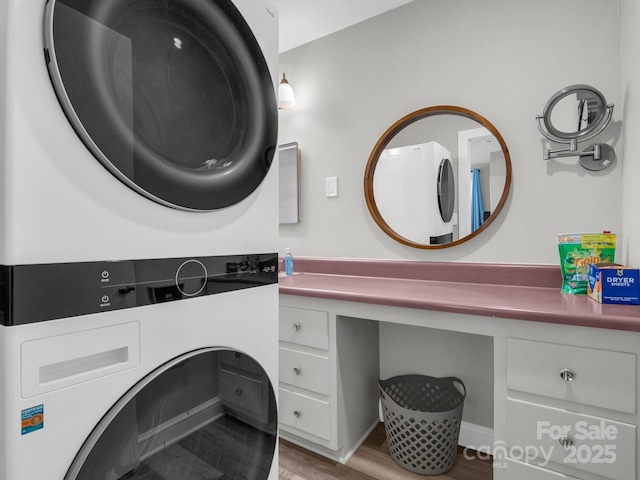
396,128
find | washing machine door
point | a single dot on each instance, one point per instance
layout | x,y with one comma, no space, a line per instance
207,414
173,97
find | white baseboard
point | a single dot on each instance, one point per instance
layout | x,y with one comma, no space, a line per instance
476,437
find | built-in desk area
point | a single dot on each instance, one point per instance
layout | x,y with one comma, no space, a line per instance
564,369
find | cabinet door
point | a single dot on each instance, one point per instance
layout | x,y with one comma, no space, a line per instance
306,414
592,377
591,444
239,361
304,370
522,471
304,327
243,394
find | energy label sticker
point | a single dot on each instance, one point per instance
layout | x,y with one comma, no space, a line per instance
32,419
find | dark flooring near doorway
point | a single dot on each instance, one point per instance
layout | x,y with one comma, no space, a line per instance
370,462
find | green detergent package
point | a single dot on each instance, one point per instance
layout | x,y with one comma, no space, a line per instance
577,252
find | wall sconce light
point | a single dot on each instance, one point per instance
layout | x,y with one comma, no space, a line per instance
286,98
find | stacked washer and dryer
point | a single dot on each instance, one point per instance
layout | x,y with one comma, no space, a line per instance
138,231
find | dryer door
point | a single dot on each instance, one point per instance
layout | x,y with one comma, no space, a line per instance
208,414
446,190
173,97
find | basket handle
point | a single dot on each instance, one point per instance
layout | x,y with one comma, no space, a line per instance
455,380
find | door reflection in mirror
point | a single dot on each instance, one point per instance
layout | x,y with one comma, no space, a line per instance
479,149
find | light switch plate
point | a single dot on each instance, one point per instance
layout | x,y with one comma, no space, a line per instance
332,186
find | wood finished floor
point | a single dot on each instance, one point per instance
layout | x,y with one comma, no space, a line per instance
370,462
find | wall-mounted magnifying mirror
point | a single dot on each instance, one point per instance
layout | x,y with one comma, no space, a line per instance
437,177
576,114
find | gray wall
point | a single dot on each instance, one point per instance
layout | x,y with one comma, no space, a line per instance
630,18
500,58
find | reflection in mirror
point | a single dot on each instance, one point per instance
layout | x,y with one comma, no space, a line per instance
576,114
437,177
482,166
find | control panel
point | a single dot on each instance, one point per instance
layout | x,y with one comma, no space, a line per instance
35,293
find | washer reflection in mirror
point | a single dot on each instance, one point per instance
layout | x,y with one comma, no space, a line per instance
418,181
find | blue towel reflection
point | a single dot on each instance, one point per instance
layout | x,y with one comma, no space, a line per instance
477,206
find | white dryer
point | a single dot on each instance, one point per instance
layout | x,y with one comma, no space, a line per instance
138,220
130,106
414,187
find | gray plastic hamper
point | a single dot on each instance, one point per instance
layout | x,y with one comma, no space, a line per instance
422,418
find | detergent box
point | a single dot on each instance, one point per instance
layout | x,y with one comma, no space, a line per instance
613,283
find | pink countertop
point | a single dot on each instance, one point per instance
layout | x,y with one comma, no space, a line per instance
520,292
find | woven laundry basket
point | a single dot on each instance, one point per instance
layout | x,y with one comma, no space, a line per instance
422,418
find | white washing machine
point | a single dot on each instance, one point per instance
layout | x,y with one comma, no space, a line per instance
138,288
183,389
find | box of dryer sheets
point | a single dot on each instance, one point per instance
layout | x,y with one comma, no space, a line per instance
613,283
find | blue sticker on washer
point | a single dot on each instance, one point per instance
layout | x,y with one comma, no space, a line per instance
32,419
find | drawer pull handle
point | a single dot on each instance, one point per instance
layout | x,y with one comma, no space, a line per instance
566,442
567,375
297,413
297,327
238,392
297,370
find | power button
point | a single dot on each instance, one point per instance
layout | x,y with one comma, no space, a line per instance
191,278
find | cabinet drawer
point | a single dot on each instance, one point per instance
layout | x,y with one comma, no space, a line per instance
244,395
600,446
305,413
304,327
600,378
240,361
523,471
304,370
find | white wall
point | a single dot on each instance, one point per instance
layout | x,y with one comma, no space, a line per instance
500,58
439,353
630,18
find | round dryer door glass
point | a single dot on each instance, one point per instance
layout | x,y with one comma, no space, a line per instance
446,190
173,97
207,414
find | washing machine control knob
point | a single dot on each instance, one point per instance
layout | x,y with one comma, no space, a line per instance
191,278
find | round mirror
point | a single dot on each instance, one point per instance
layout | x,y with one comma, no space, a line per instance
437,177
574,112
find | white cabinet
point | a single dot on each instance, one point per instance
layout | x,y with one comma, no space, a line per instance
308,416
244,388
571,410
319,354
524,471
304,370
565,397
587,376
304,328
